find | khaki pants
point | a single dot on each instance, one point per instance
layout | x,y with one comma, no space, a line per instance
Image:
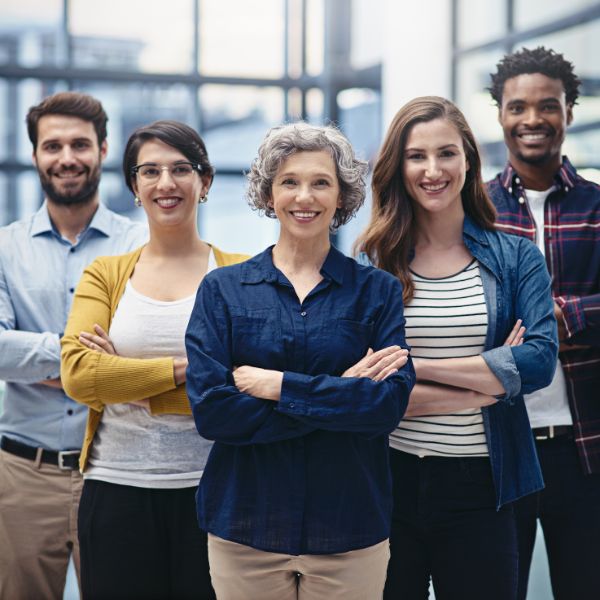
240,572
38,528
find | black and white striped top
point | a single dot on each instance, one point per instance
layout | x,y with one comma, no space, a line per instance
446,318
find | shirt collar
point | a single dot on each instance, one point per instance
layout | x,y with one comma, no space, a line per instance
565,177
261,268
101,221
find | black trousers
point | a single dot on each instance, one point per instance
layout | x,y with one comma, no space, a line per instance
141,543
569,511
445,527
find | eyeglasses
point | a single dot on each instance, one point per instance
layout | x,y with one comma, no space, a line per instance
151,172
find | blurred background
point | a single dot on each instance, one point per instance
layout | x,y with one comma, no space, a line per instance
233,68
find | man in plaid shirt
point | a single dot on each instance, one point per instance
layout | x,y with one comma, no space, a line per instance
539,195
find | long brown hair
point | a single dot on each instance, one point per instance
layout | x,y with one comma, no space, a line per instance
390,234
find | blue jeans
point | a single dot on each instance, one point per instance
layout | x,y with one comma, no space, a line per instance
445,527
569,512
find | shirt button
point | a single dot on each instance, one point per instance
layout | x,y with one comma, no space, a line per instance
292,405
303,313
71,290
70,412
72,250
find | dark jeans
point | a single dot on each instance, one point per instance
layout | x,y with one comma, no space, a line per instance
141,543
445,527
569,512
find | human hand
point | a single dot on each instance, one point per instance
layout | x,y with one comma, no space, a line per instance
378,365
260,383
515,337
53,383
560,322
98,341
144,403
179,368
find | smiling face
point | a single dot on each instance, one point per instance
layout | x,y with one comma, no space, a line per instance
534,116
435,167
168,201
305,195
68,159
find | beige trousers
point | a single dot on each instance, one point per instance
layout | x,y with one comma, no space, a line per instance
240,572
38,528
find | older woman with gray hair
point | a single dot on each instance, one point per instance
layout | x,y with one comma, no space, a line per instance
298,370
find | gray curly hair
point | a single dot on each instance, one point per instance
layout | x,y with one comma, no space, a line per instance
283,141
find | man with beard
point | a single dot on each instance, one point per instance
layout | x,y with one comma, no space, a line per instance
539,195
41,260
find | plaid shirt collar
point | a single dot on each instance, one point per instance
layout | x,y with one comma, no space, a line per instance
564,178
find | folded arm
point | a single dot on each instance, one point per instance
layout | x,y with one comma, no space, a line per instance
97,378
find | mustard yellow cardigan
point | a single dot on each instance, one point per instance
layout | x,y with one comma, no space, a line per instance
95,378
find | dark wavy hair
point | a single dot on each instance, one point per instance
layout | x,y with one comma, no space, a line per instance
539,60
173,133
390,234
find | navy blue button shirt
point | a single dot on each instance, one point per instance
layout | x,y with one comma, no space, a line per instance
308,474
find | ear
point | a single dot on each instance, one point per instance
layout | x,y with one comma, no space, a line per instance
34,159
340,202
135,186
468,165
569,114
103,150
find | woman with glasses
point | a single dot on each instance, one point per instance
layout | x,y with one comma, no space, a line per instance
296,493
464,450
123,355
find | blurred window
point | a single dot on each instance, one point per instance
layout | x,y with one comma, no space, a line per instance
478,22
532,13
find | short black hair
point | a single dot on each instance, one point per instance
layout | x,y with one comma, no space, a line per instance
72,104
539,60
173,133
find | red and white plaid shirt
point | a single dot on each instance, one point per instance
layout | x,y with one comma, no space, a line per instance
572,247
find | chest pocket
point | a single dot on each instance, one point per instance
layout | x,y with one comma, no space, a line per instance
347,341
256,336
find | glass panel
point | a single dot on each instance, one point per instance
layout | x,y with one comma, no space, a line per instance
4,199
235,120
241,39
132,105
531,13
315,36
137,35
30,32
582,150
478,22
227,221
581,46
360,120
6,124
314,106
28,193
473,77
367,42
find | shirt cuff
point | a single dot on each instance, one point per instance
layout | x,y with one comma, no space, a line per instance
502,364
294,394
573,314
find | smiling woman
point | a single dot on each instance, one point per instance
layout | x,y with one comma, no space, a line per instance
464,450
296,492
123,355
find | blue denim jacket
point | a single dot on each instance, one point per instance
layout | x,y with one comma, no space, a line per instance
516,286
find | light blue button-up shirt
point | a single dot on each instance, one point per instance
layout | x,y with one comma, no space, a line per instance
39,270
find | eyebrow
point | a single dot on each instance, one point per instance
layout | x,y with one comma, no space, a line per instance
524,101
423,149
151,163
293,174
77,139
